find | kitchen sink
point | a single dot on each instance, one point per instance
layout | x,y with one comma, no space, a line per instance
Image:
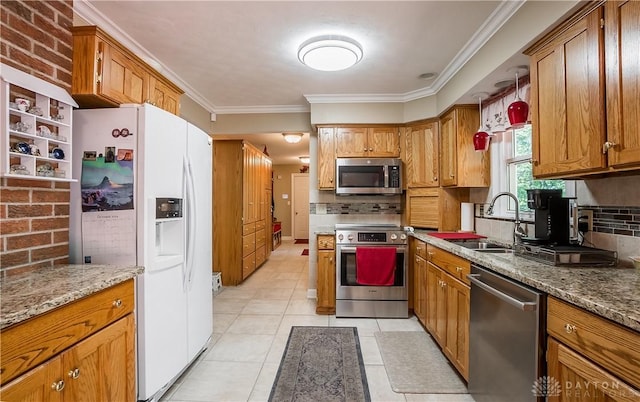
483,246
494,250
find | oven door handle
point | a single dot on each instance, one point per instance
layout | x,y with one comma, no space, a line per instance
399,249
524,306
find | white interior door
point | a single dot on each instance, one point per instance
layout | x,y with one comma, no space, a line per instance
300,210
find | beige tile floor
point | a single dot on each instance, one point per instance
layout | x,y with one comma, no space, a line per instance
251,324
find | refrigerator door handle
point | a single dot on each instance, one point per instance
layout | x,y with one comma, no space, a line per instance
186,212
191,222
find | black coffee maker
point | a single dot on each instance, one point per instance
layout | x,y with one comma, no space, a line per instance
552,217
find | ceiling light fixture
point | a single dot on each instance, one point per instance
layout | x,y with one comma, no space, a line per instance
292,138
305,159
330,53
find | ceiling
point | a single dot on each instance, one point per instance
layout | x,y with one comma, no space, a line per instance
240,57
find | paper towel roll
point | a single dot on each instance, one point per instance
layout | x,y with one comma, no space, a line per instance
466,217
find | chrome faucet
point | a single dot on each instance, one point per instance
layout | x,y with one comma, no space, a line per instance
518,231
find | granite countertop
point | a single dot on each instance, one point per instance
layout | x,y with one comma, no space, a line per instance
610,292
325,230
36,291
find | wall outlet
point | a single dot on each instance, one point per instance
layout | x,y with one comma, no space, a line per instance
589,214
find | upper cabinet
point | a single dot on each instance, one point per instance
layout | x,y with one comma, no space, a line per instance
326,158
622,61
367,142
460,164
421,155
588,62
105,74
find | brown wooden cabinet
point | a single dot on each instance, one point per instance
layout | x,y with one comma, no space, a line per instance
241,209
163,94
326,285
326,158
460,164
97,365
422,155
587,62
622,36
592,358
579,379
448,306
106,74
420,281
567,101
434,208
367,142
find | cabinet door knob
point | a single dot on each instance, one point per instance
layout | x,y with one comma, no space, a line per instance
458,269
607,146
58,385
330,259
370,149
117,303
75,373
435,178
570,328
452,176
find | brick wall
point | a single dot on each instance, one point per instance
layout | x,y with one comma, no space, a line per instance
34,214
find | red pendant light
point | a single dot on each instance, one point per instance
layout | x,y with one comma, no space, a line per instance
518,111
481,139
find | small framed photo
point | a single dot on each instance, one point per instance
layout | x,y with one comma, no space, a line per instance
125,154
109,154
89,155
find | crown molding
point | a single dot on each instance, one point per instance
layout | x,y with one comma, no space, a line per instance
262,109
496,20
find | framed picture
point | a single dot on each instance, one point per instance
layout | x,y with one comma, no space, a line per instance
89,155
125,154
109,154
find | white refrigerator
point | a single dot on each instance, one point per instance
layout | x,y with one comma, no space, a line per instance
143,197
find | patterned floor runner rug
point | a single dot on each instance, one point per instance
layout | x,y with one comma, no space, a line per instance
321,364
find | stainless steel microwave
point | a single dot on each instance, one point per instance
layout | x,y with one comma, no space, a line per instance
368,176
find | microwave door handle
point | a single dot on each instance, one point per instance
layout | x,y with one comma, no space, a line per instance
386,176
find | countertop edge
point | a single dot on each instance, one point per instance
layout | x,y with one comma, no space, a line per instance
23,314
501,266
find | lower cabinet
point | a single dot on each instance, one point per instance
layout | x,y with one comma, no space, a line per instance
590,358
575,378
420,288
326,285
100,367
447,311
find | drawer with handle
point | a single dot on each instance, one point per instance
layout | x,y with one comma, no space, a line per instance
458,267
608,344
27,344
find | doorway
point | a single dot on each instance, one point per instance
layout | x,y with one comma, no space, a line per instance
300,203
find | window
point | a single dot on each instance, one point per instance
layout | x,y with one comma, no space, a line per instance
519,169
513,172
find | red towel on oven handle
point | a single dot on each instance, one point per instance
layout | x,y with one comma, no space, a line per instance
375,265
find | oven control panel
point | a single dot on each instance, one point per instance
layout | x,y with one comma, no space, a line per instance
364,237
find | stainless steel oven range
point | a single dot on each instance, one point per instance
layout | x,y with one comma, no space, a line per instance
354,299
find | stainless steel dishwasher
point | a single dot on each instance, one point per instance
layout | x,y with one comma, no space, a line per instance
506,340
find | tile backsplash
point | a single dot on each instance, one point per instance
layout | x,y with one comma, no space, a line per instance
355,208
620,220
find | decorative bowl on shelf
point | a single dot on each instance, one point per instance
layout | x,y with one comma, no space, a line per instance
23,148
57,153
